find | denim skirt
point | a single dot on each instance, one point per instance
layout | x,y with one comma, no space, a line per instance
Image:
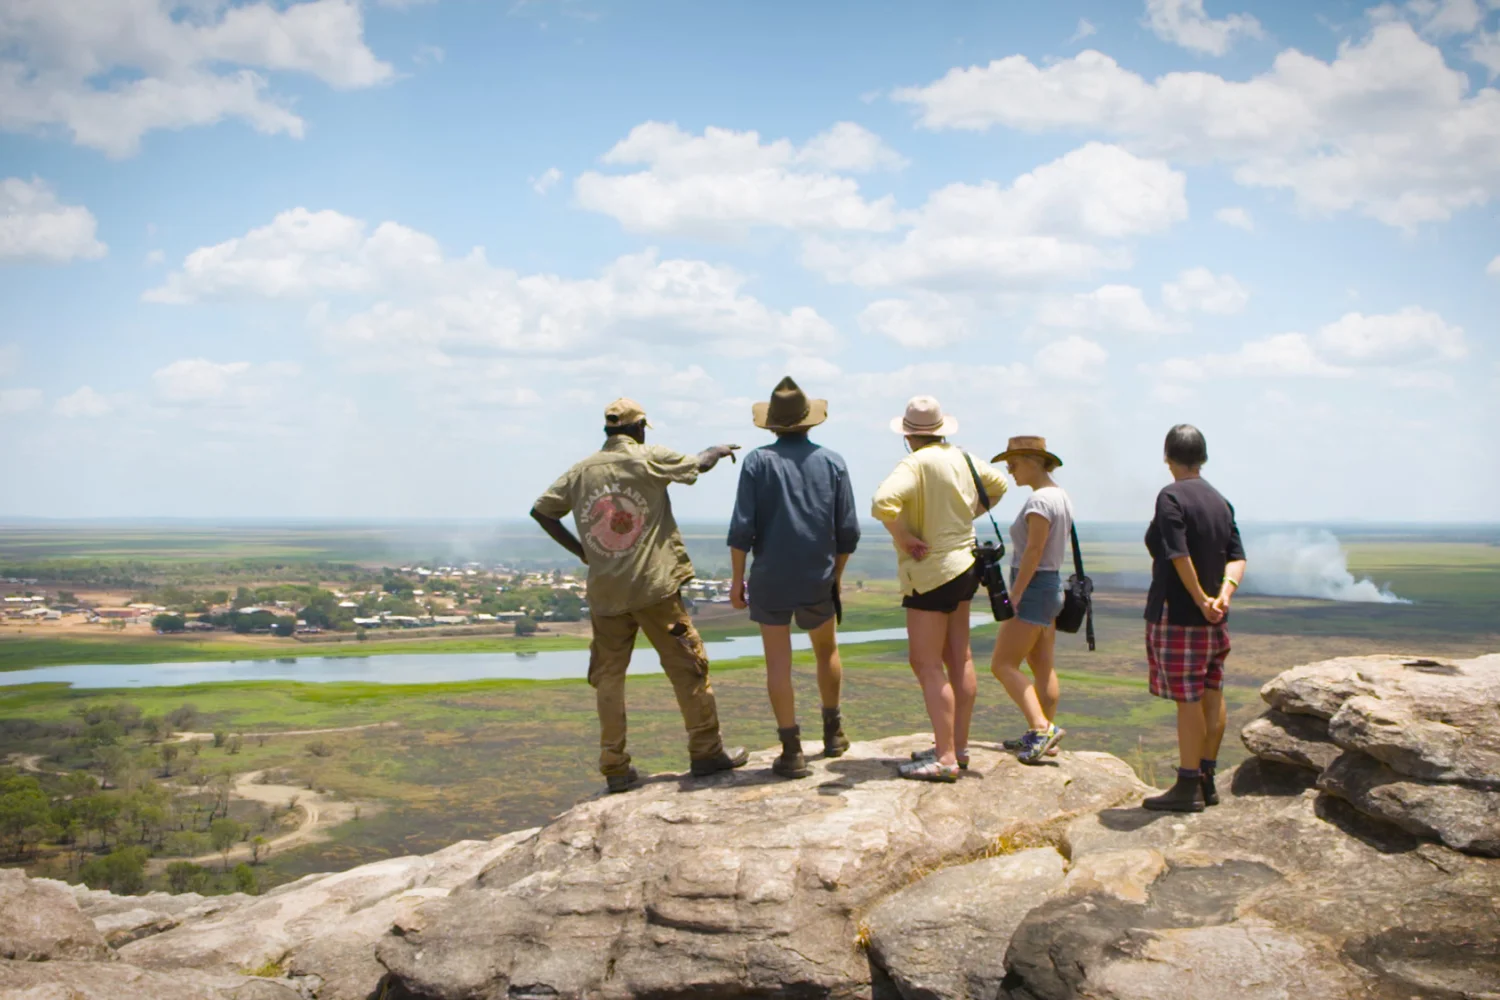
1043,599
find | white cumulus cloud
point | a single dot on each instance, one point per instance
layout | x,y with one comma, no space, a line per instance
1411,334
924,321
1185,23
1237,218
109,71
1108,308
1386,128
1200,290
201,382
724,182
391,293
1065,219
1397,348
83,402
1073,359
1282,355
35,226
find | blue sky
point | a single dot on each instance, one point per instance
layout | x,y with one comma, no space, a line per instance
327,259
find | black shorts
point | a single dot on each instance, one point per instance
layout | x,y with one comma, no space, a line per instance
949,596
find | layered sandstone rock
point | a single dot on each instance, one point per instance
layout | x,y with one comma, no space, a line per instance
1347,860
742,884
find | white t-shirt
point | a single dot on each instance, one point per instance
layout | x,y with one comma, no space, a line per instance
1053,504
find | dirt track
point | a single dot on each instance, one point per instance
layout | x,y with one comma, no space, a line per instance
318,813
188,737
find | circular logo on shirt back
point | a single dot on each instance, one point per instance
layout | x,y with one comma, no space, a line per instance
616,520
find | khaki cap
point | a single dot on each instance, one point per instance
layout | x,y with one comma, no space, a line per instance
624,412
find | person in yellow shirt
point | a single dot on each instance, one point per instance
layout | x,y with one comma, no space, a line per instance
928,504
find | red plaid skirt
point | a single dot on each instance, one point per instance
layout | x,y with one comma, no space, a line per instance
1186,659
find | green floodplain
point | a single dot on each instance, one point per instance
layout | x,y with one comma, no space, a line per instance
475,759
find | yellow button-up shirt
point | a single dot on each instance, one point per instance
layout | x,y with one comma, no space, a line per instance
933,493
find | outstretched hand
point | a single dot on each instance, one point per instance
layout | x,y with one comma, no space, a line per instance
727,451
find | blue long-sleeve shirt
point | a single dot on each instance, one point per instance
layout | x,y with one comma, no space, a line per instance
795,513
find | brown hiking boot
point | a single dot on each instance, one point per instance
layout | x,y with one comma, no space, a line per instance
725,760
834,740
792,763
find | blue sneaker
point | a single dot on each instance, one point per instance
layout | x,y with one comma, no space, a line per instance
1036,743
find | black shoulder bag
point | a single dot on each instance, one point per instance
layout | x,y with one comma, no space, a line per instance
989,554
1078,597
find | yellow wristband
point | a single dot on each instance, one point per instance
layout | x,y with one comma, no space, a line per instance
1232,582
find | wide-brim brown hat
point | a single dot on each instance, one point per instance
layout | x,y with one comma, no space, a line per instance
789,409
1026,445
924,416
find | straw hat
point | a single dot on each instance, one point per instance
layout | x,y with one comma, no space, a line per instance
924,416
789,409
1025,445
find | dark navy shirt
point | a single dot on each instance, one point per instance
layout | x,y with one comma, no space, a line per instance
795,513
1192,519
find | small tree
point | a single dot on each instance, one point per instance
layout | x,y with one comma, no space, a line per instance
184,876
233,746
168,752
223,833
219,737
525,626
245,880
259,848
122,871
169,623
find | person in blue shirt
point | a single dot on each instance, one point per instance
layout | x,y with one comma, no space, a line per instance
795,512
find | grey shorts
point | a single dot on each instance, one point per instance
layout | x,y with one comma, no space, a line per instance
809,616
1043,599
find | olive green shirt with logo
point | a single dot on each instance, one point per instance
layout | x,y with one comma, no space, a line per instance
618,498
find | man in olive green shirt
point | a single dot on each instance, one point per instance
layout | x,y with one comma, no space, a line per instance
637,565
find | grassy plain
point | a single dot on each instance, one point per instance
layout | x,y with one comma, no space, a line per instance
475,759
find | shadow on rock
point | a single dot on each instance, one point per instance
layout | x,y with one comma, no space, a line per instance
1267,778
1382,836
1453,961
1133,818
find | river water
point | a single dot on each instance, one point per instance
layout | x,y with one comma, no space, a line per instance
396,668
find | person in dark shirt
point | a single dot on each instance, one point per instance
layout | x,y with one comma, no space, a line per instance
1195,551
795,512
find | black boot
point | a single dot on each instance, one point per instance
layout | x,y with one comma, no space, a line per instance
1210,790
1185,797
791,763
834,740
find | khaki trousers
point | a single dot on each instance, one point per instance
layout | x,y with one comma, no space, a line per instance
670,629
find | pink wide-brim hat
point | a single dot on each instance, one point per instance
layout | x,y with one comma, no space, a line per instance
924,416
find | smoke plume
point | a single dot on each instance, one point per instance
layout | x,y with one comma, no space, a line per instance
1308,564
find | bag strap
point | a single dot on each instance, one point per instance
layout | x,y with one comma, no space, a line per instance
984,500
1078,568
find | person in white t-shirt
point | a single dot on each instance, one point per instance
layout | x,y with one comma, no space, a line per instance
1039,544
